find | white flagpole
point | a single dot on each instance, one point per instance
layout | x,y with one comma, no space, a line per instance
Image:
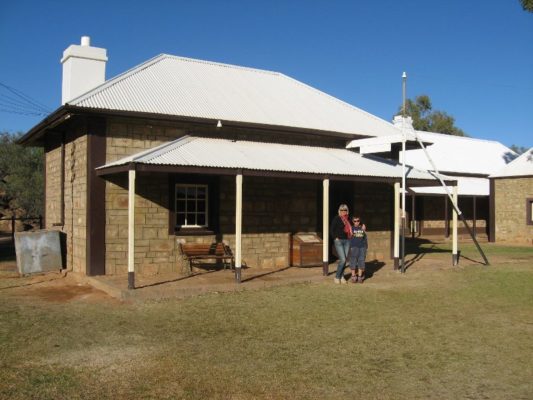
404,188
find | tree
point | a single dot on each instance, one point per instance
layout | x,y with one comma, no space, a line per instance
429,120
518,149
527,5
21,177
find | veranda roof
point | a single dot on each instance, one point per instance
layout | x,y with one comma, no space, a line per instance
466,186
460,155
191,151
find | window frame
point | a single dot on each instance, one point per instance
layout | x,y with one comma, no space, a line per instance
188,186
213,192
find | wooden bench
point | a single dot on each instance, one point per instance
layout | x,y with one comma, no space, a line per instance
204,251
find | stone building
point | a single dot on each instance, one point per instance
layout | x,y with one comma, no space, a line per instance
470,161
467,160
179,150
512,201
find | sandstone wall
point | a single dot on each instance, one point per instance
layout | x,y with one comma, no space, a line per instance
273,209
155,249
75,196
510,210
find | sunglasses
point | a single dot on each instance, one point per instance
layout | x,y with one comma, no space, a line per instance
356,220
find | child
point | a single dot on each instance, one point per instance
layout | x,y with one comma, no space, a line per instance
358,247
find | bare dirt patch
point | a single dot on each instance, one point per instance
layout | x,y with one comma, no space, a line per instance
63,293
53,287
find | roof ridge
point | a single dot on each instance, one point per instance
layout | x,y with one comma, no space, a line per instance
220,64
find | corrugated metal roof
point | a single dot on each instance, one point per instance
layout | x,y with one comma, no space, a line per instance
378,141
187,87
224,153
460,154
521,166
465,187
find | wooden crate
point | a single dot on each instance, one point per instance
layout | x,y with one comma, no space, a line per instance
306,249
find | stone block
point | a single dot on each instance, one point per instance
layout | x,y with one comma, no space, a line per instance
123,231
140,219
119,201
281,262
111,232
267,263
161,245
149,233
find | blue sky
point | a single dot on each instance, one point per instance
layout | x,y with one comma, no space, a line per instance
473,58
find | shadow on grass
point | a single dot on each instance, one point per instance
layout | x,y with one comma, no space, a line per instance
181,278
417,248
471,260
371,267
265,274
207,268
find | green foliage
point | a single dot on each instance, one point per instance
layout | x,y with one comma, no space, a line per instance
21,176
429,120
518,149
527,5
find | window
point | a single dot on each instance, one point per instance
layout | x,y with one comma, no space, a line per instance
191,205
529,211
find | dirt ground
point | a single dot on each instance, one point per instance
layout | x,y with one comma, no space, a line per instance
68,287
51,287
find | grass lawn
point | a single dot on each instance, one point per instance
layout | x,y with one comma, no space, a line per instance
463,333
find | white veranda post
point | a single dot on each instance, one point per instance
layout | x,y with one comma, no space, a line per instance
396,224
131,229
238,227
455,254
325,227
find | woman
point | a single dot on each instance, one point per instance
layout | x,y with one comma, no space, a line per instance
341,232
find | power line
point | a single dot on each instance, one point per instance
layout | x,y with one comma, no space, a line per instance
17,102
26,97
21,112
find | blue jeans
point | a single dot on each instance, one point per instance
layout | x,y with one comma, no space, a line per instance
357,258
342,246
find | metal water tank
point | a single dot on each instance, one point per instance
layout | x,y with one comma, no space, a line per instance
38,251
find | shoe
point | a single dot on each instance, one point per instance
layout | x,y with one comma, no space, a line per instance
354,279
335,280
360,279
343,280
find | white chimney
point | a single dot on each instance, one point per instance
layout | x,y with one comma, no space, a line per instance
398,122
83,69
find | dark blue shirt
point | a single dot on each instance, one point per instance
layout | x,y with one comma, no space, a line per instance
358,237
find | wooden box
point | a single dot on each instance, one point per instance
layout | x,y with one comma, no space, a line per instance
306,249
